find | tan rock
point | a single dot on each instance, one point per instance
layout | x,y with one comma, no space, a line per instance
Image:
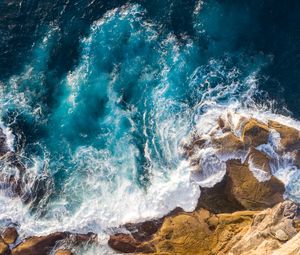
239,233
281,235
260,238
10,235
289,137
292,247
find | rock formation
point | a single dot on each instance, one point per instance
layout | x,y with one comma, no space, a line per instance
244,213
206,233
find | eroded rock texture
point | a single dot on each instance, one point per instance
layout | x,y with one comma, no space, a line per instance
206,233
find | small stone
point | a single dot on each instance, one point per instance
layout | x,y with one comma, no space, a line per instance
281,235
10,235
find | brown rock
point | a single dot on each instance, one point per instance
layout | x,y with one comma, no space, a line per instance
259,160
241,190
218,199
38,245
10,235
289,137
43,245
63,252
127,244
144,231
3,247
248,191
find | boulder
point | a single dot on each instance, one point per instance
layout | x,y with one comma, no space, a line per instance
10,235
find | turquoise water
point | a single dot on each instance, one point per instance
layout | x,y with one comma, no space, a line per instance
99,105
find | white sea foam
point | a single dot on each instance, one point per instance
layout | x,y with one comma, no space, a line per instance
10,138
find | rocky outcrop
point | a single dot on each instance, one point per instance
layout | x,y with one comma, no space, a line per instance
245,212
269,230
237,142
205,233
241,190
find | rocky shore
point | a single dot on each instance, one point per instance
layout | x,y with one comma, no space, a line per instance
244,212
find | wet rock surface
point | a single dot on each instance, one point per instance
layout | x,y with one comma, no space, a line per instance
42,245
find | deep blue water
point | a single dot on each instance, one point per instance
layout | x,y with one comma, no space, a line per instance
98,92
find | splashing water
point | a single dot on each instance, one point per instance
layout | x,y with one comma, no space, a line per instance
105,136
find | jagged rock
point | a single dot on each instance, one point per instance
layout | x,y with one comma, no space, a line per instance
268,230
289,137
10,235
291,247
205,233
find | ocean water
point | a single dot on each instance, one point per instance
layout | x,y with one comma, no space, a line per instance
96,98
